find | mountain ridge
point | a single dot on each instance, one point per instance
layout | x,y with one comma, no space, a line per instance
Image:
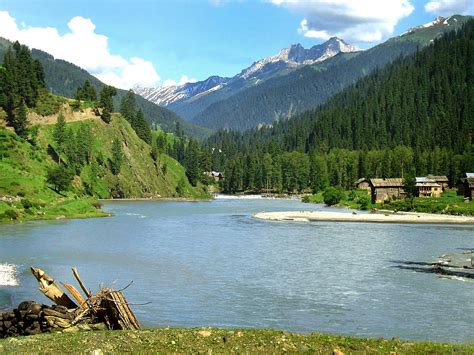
282,96
286,59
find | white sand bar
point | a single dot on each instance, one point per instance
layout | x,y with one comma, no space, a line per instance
389,217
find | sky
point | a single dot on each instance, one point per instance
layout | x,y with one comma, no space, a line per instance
163,42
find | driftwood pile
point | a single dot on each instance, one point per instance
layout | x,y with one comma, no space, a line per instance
108,309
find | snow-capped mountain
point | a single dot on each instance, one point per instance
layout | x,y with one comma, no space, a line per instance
286,60
166,95
297,55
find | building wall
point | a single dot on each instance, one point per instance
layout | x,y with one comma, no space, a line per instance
380,194
363,185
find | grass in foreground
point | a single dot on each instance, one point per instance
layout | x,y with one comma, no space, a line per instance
218,340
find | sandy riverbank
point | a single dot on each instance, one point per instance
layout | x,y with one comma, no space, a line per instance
307,216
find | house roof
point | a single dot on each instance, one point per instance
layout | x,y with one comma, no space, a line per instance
427,184
390,182
422,179
361,180
439,178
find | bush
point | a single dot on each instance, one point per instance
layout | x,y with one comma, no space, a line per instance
26,203
10,214
60,177
332,196
364,202
181,187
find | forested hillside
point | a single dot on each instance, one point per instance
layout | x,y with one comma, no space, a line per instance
55,166
282,97
64,78
416,116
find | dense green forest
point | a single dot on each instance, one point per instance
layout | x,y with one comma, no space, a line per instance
281,97
415,116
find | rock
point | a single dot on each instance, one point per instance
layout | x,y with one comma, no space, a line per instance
34,308
204,333
337,352
303,348
23,306
239,334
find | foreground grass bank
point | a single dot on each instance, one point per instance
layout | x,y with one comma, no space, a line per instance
220,341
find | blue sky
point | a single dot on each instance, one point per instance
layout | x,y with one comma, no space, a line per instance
198,38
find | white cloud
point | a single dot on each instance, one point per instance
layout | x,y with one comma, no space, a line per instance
450,7
183,80
352,20
82,46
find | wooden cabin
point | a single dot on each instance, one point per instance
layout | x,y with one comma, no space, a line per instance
385,189
362,184
217,176
440,179
428,187
461,184
469,187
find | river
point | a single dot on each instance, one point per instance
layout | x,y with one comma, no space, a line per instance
212,264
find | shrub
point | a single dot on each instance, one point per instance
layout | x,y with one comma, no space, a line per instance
27,204
332,196
364,202
181,186
60,177
10,214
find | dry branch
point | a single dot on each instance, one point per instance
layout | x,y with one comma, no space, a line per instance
81,284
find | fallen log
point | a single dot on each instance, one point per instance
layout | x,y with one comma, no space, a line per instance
51,290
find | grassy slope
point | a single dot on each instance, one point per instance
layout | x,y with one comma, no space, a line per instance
139,176
24,168
220,341
23,175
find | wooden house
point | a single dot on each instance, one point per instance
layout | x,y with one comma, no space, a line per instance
362,184
461,184
384,189
428,187
217,176
440,179
469,187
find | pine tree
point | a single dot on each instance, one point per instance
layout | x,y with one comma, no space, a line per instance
128,107
59,133
21,121
117,157
141,127
106,98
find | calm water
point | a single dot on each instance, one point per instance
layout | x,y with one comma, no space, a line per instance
211,264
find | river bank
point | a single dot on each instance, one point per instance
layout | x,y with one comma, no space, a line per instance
200,340
399,217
